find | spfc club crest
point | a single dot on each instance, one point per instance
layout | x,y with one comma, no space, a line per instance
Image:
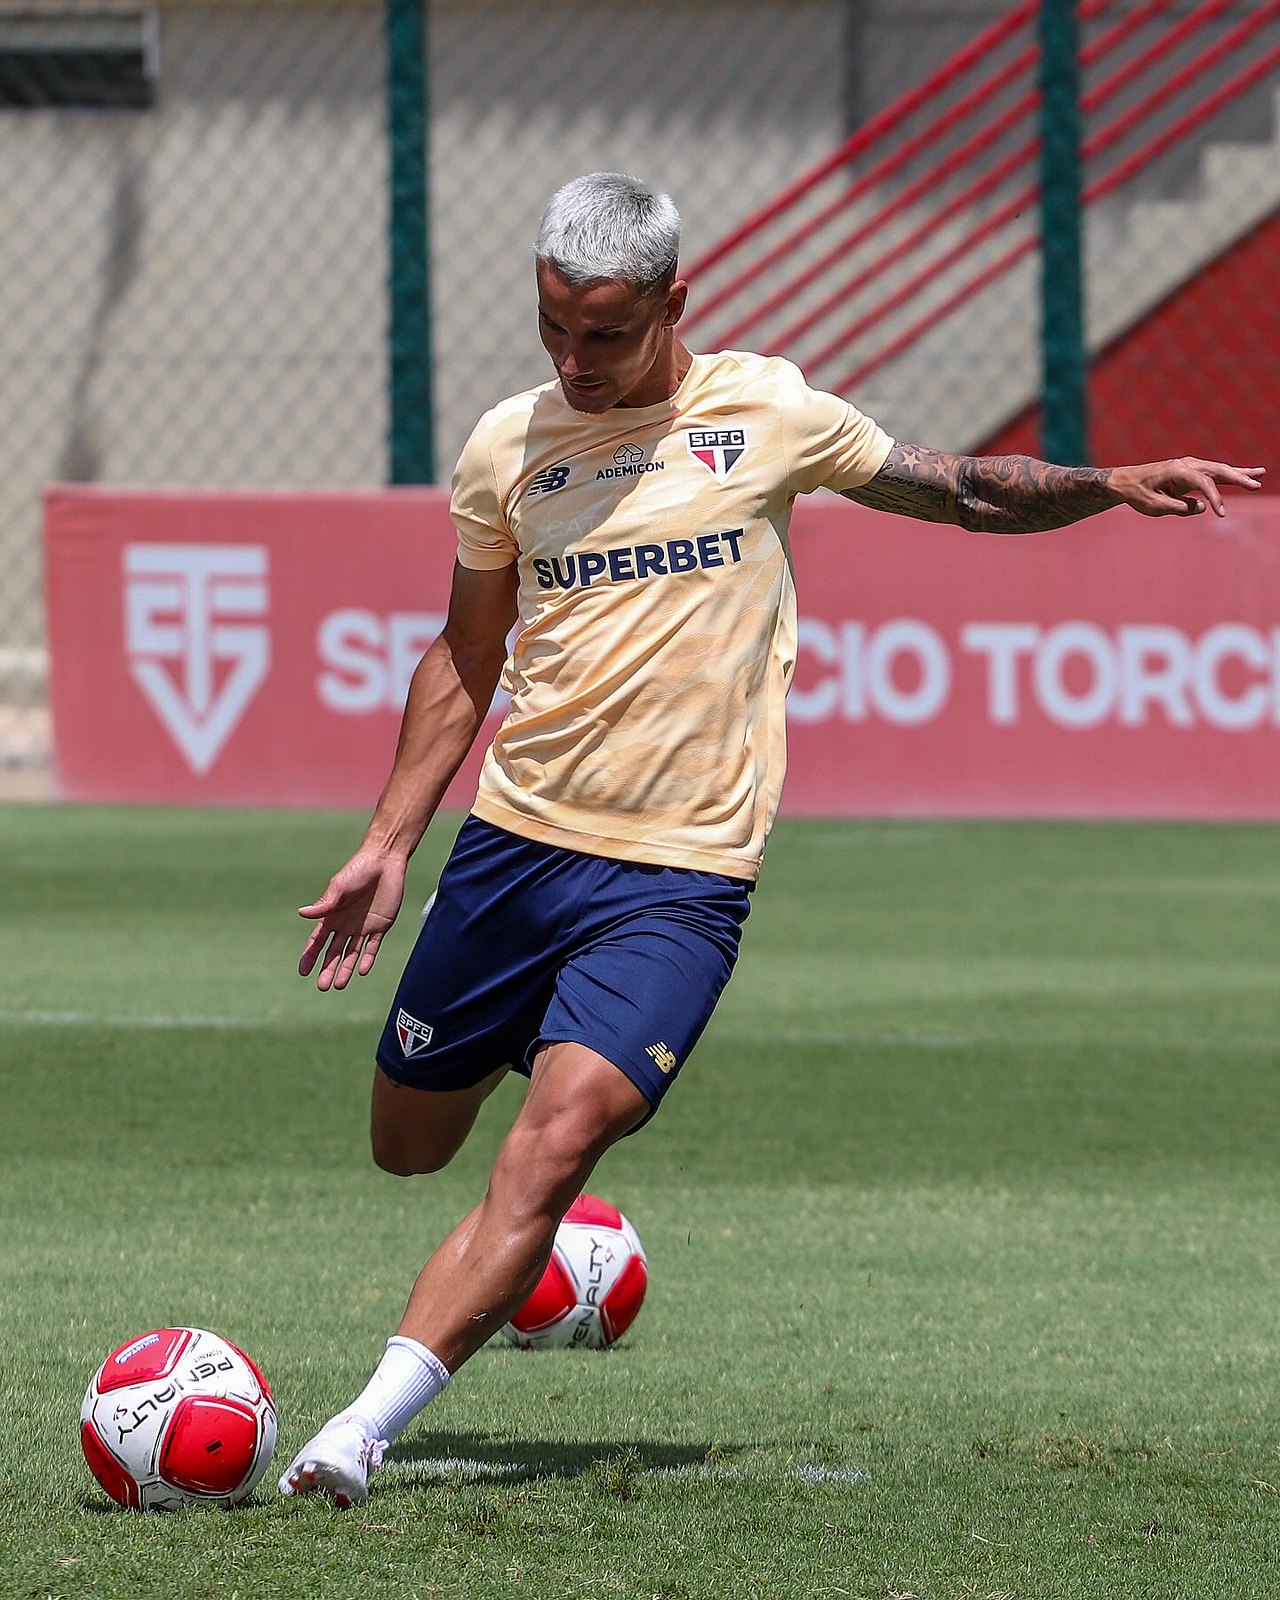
718,449
414,1036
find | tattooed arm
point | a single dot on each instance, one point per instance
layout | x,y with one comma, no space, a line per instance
1018,494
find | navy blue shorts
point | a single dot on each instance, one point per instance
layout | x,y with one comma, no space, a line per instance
529,944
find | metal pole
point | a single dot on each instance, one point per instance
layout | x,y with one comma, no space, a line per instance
1064,436
411,453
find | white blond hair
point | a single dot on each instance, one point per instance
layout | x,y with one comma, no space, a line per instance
607,226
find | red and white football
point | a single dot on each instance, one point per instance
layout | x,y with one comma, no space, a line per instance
178,1417
593,1285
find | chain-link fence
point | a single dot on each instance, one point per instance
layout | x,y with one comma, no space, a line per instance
195,224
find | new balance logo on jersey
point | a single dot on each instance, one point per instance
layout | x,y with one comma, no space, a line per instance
718,449
414,1036
549,480
663,1056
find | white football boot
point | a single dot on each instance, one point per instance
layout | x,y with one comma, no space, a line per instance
337,1462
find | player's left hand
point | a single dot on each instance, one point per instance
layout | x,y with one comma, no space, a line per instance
1182,488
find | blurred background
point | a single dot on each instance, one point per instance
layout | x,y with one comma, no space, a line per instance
283,242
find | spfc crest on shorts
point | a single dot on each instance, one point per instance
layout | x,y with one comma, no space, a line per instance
414,1036
718,449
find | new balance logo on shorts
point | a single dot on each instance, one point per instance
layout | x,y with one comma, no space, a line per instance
664,1057
414,1036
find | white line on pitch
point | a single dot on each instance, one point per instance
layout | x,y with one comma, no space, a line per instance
214,1021
465,1467
831,1474
803,1035
462,1467
127,1019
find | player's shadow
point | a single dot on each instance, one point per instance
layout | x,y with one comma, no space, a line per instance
473,1458
435,1458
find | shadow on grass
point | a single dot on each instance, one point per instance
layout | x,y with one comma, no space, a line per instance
433,1457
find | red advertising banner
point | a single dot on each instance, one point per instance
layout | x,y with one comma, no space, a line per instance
255,648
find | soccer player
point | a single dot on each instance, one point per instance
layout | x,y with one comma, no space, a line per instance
632,515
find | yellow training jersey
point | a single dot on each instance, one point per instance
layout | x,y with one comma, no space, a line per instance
657,610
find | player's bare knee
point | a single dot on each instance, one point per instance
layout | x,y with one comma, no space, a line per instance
413,1132
390,1158
403,1160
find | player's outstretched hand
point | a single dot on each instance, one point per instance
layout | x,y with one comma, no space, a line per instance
352,914
1182,488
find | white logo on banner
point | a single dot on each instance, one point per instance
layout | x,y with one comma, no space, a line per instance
198,669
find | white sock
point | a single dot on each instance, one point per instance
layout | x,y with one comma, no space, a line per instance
407,1378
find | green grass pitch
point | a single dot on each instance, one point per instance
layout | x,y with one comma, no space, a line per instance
963,1221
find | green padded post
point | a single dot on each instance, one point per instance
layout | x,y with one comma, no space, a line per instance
1065,437
411,452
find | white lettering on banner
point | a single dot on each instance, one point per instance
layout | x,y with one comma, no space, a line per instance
1155,666
865,677
910,641
1079,641
1002,643
1082,675
177,598
1245,710
1077,674
822,702
368,659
